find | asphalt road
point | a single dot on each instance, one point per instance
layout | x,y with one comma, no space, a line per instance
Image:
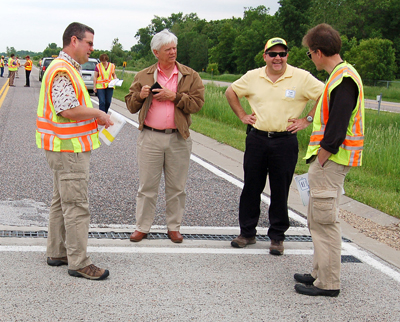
155,280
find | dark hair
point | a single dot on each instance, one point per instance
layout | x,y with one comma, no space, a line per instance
103,57
75,29
324,38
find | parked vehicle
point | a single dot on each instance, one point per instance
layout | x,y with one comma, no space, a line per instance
88,72
42,68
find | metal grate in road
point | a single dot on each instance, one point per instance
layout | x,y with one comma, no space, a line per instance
125,235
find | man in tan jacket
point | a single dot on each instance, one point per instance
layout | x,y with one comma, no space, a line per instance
165,94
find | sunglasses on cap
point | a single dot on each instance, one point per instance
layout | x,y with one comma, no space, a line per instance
273,54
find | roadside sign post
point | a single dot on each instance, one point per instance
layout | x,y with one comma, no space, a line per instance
379,99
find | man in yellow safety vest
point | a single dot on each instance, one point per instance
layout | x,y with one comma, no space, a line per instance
67,131
12,69
336,145
1,66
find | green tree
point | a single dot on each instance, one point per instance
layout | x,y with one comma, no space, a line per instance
374,59
293,17
51,50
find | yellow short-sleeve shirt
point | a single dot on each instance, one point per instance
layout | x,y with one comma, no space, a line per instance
275,103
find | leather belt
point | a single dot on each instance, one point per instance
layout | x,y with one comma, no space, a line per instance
166,131
272,135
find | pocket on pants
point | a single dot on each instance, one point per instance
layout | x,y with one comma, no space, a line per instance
324,205
74,187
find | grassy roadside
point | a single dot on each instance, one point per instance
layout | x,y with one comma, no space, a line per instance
376,183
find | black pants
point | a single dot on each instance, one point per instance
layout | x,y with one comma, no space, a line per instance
27,74
277,158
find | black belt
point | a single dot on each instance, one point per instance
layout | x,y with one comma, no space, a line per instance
166,131
272,134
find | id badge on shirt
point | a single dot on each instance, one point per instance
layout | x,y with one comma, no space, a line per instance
290,93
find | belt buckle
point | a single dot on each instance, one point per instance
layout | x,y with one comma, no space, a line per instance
271,134
168,131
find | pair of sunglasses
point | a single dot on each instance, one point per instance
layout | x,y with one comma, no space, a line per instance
273,54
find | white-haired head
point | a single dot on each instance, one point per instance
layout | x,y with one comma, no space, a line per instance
162,38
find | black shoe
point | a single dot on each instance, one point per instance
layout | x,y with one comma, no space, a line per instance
304,278
312,290
57,261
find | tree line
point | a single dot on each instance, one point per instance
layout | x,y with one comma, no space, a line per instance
369,30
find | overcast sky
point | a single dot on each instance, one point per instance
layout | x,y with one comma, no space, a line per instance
33,24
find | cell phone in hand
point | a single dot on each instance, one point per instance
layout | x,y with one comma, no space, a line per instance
155,86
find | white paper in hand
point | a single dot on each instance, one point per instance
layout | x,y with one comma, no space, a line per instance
108,135
303,188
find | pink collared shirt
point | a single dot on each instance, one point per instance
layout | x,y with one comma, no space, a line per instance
161,114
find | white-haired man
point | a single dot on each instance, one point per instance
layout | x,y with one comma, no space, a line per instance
165,93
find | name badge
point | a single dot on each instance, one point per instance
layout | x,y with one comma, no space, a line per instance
290,93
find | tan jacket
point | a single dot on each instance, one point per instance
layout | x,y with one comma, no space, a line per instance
189,96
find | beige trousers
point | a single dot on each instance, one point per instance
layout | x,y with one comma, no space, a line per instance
326,186
12,77
69,212
159,152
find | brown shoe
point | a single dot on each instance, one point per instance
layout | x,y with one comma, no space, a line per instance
240,241
90,272
137,236
175,236
276,247
53,261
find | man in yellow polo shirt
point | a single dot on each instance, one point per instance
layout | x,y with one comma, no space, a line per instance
277,94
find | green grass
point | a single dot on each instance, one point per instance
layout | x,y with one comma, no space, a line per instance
376,183
391,94
223,78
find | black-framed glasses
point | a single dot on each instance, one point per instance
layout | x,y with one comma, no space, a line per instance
90,43
273,54
309,53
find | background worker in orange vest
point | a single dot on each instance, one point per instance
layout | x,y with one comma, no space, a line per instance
28,68
12,69
64,98
103,74
2,66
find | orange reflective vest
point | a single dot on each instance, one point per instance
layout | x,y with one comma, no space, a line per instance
29,66
57,133
105,75
350,152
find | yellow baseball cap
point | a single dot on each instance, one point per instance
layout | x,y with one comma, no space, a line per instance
275,41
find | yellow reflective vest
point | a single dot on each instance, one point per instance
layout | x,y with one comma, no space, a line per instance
105,75
350,152
12,65
57,133
1,62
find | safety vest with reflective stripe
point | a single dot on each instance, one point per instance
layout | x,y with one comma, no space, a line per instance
57,133
1,62
105,75
350,152
11,66
29,66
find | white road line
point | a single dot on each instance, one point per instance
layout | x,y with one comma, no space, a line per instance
163,250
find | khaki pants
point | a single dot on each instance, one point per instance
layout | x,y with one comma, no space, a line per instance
326,185
69,212
158,152
12,76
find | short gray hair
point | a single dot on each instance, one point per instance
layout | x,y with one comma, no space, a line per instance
162,38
